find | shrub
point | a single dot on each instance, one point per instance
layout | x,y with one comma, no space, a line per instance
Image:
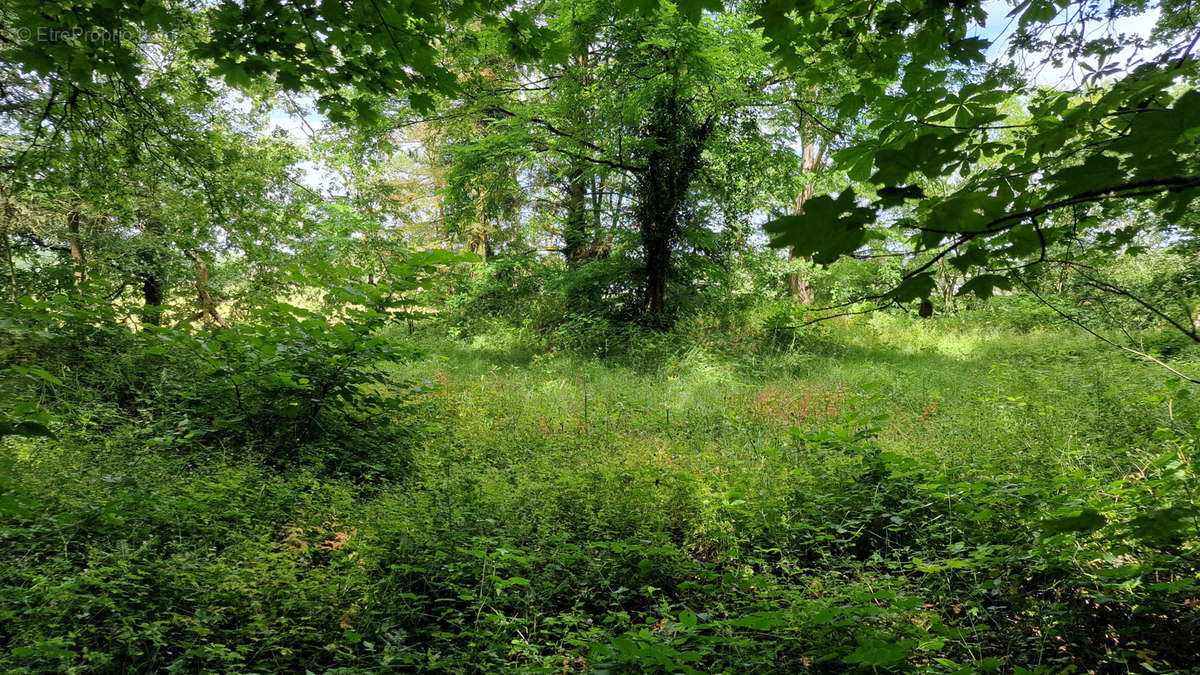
299,385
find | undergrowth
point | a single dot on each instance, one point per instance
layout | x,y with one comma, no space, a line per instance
882,495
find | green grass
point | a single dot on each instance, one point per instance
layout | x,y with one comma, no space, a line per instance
967,399
885,495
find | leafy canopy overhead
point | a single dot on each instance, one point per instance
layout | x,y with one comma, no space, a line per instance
1023,170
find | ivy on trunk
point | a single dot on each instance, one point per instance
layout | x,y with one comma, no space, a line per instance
676,138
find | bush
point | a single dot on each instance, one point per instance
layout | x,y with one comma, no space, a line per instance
300,386
296,385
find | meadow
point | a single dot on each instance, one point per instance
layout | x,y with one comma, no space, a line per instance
877,494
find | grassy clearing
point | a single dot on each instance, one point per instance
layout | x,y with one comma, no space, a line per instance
967,400
889,496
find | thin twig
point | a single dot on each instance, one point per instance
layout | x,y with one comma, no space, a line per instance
1075,321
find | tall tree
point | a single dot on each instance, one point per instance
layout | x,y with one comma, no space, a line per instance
618,113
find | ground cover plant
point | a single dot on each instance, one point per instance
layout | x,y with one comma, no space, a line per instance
668,336
922,497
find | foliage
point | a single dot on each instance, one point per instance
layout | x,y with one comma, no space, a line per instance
1038,175
285,382
354,336
979,503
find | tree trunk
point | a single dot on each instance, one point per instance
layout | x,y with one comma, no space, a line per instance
948,280
479,244
208,306
6,218
575,234
658,266
152,271
152,297
579,239
78,259
671,164
597,203
799,286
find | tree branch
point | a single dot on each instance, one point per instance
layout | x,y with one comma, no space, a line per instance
1075,321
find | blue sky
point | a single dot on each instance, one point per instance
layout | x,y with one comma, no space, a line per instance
999,27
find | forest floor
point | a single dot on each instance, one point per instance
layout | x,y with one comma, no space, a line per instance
891,496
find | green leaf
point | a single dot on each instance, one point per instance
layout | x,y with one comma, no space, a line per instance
975,256
24,428
688,619
894,196
692,9
828,229
965,212
37,373
880,654
1097,172
1084,521
914,288
984,285
1038,11
1160,525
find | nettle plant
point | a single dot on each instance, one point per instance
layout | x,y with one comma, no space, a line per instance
300,382
24,418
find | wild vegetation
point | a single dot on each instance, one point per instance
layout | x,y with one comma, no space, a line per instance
565,336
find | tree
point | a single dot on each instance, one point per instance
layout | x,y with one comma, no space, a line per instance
139,186
1044,173
614,122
